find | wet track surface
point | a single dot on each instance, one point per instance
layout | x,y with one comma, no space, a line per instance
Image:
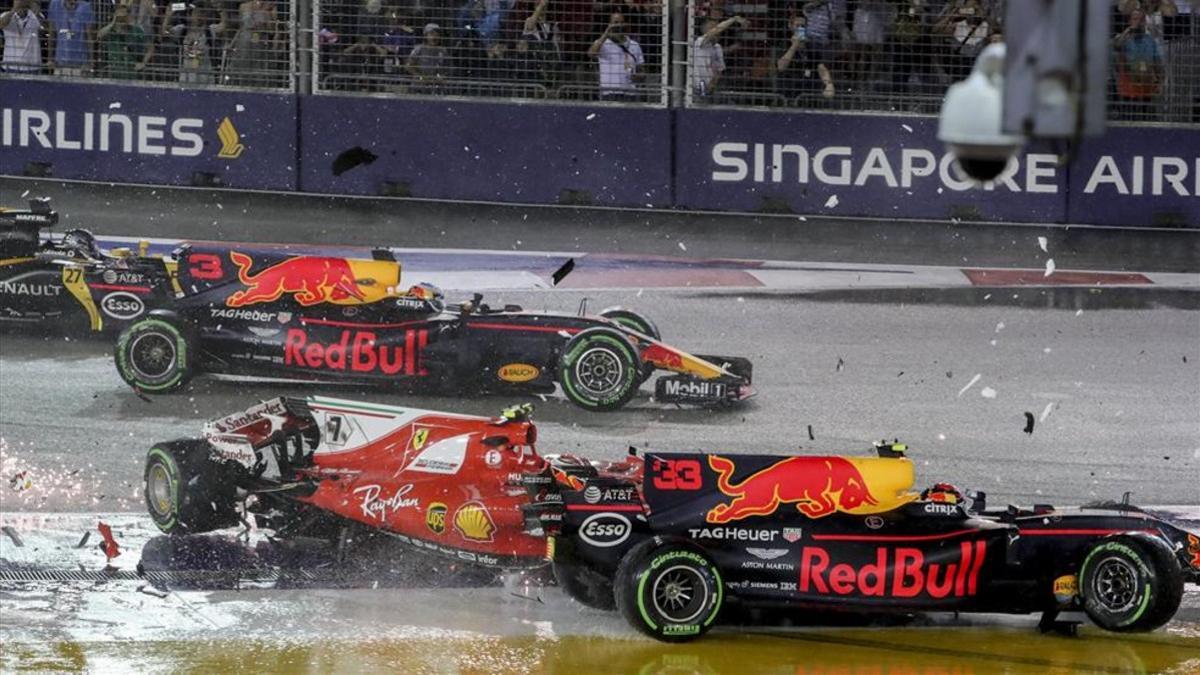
1115,393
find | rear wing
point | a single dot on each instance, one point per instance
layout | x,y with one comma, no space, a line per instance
20,230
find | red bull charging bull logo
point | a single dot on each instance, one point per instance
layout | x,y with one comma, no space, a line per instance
818,486
311,280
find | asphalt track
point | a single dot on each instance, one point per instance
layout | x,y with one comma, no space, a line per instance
1115,392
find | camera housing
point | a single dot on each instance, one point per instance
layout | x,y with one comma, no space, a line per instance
971,118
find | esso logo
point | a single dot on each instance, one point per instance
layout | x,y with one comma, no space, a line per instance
122,305
604,530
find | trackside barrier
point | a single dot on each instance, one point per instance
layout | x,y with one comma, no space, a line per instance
122,134
582,153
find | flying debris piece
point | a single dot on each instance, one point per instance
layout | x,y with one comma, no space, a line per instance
150,590
1046,411
352,158
84,540
12,534
988,392
682,247
810,434
562,272
1049,266
109,545
970,384
840,364
1042,244
21,481
591,117
239,108
1029,422
906,128
831,202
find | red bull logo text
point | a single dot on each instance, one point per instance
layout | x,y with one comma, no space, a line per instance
895,573
358,352
818,486
311,280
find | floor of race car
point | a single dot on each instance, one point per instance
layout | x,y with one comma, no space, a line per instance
89,616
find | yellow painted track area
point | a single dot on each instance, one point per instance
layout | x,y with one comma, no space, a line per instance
949,651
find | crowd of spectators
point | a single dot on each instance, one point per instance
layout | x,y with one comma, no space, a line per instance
896,55
201,42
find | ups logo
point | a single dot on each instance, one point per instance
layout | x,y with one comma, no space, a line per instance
435,517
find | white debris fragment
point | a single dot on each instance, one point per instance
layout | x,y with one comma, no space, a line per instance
939,191
988,392
682,247
970,384
1049,266
803,219
999,326
1042,244
639,293
220,207
24,194
831,202
1046,350
239,107
115,105
906,128
591,117
941,437
1079,312
1046,411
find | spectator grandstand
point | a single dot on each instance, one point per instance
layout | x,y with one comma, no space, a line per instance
893,56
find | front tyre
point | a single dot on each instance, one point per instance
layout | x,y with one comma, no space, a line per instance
668,590
635,322
599,369
153,355
186,492
1130,584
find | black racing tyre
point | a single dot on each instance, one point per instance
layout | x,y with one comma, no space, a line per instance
599,369
584,584
668,590
1130,584
186,491
154,355
634,321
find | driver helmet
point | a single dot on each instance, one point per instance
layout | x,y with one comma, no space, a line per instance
944,493
425,291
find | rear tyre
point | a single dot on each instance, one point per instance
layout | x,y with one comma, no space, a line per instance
585,585
599,369
186,492
153,355
669,590
636,322
1130,584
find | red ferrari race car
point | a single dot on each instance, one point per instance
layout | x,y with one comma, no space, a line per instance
671,539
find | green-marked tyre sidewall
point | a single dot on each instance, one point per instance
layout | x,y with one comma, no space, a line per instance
1159,579
640,613
163,457
639,323
581,343
129,374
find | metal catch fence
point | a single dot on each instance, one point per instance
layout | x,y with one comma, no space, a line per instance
893,56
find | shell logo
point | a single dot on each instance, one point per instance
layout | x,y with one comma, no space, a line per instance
473,522
435,517
518,372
